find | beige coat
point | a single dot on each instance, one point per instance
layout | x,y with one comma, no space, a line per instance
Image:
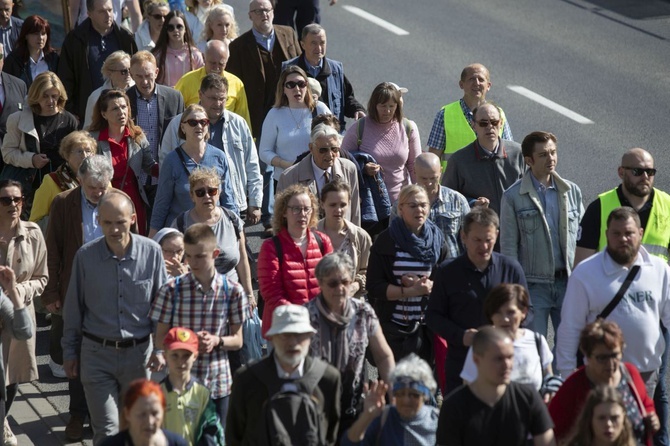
27,256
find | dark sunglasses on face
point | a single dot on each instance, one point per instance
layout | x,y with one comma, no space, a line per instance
638,171
158,16
335,283
292,84
8,201
484,123
211,191
194,122
124,71
324,150
171,27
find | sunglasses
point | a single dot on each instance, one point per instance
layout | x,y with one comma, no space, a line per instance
194,122
292,84
638,171
124,71
158,16
8,201
324,150
211,191
484,123
171,27
335,283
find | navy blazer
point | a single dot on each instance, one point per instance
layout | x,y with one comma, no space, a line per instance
170,104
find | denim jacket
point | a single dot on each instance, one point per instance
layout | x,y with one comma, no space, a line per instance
524,231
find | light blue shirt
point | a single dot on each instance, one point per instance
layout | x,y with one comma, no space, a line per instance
550,205
89,219
267,42
312,69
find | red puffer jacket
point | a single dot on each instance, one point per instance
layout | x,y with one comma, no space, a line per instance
293,281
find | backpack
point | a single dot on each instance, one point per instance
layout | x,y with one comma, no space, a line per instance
292,415
280,251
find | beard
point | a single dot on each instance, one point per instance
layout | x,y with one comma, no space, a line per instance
624,256
638,190
291,360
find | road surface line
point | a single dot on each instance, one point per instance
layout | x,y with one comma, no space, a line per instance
550,104
376,20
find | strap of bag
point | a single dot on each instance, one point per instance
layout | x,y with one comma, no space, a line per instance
174,299
319,241
278,250
360,126
180,151
229,214
312,377
181,221
538,345
619,295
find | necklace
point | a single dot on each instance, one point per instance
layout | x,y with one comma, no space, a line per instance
298,122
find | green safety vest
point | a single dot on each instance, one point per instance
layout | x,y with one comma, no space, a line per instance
657,233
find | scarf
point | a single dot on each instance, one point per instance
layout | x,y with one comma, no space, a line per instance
333,333
64,177
425,247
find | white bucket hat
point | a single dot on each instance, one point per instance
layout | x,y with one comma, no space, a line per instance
402,90
290,319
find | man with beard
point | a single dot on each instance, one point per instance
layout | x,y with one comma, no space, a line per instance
288,367
595,282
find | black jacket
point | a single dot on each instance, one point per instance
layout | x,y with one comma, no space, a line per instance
21,69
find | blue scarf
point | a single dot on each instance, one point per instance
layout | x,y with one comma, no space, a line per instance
425,247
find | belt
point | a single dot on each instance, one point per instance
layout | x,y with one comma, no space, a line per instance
561,274
126,343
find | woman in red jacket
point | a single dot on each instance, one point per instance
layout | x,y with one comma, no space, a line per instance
602,344
287,260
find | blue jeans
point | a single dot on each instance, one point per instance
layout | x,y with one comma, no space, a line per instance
268,205
661,395
547,300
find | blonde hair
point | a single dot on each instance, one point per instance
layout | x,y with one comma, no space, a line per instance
410,190
151,5
74,140
193,4
115,58
205,174
43,82
281,205
216,12
142,57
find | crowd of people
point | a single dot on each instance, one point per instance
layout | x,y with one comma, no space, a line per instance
405,296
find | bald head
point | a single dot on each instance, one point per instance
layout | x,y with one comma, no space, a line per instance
636,155
475,68
427,171
118,201
216,57
427,160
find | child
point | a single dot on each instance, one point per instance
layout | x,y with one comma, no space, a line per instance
190,410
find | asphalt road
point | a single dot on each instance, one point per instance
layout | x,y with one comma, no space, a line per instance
606,60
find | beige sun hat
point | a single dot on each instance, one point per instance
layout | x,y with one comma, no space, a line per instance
290,319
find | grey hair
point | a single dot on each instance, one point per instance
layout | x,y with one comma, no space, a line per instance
97,167
415,368
324,130
312,28
335,262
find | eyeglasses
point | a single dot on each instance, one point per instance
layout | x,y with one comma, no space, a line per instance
292,84
158,16
124,71
171,27
335,283
297,210
324,150
638,171
171,253
81,152
262,11
484,123
604,359
8,201
211,191
194,122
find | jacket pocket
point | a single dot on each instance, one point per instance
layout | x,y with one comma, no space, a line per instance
529,220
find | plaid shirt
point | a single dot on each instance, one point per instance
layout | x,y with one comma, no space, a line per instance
225,304
437,137
147,119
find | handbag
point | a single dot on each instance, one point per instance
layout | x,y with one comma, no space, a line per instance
253,340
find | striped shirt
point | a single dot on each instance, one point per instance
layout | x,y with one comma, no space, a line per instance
409,309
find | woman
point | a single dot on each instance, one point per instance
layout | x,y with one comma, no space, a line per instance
204,186
197,13
345,327
143,410
393,141
219,25
175,50
124,143
171,242
22,248
34,133
74,149
603,422
286,128
116,73
345,236
602,344
286,262
408,420
155,12
173,195
506,307
398,277
33,54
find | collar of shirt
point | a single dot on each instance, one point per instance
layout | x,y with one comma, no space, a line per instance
39,58
470,265
131,252
467,112
314,70
8,27
85,201
483,154
319,172
212,285
104,135
154,95
539,187
624,201
168,385
611,267
266,42
296,374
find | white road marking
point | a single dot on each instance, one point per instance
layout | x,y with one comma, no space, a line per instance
550,104
376,20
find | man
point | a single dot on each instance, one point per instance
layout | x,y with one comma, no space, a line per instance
110,323
216,58
78,10
10,26
492,409
322,165
596,281
337,92
14,91
483,169
256,58
85,49
73,222
453,124
455,308
289,362
230,133
158,104
209,304
538,227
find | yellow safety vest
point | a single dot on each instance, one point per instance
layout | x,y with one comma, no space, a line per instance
657,232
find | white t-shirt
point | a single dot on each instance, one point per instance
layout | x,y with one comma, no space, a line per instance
527,368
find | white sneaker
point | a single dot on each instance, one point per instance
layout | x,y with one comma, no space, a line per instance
57,370
8,438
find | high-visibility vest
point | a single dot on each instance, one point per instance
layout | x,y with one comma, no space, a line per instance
657,232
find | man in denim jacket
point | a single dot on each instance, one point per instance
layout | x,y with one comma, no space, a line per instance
540,215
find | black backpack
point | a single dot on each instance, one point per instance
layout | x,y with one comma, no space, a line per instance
292,415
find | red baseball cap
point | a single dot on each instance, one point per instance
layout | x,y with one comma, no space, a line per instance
181,338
